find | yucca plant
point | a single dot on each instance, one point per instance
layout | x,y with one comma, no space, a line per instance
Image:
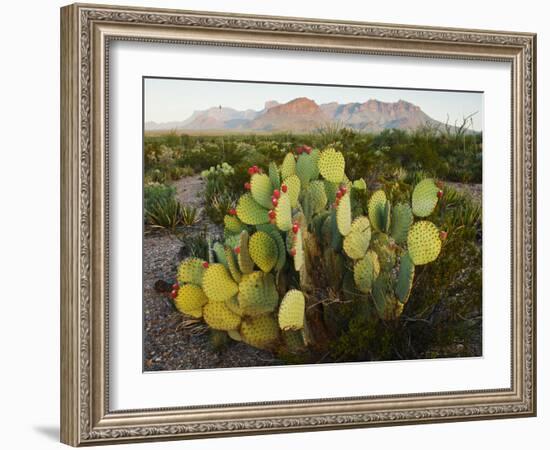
297,249
189,215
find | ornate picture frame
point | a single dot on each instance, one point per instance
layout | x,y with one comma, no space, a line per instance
87,32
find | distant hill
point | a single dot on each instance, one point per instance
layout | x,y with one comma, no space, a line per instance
304,115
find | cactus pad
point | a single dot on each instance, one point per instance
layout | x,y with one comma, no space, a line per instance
243,258
405,278
294,341
219,251
330,190
232,264
261,332
315,155
219,317
190,300
317,196
294,185
276,236
375,262
261,189
363,274
423,242
235,335
233,224
343,215
291,311
274,176
377,210
233,305
359,185
257,294
218,284
424,198
305,168
402,219
295,243
332,165
250,212
288,167
283,213
191,271
356,243
263,250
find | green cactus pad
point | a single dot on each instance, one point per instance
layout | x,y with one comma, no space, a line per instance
377,210
274,176
250,212
283,213
387,216
261,332
292,310
288,167
402,219
219,251
219,317
317,196
191,270
315,156
257,294
424,198
423,242
218,284
363,274
359,185
330,191
232,264
405,278
343,215
298,246
233,305
263,250
190,300
261,189
375,262
235,335
233,224
276,236
294,341
243,258
332,165
381,293
232,240
305,168
385,249
356,243
335,236
293,185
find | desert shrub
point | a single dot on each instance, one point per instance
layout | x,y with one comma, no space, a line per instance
155,192
164,213
189,215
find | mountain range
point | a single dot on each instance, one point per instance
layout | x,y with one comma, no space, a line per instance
303,115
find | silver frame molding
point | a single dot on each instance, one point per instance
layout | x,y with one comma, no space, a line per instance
86,32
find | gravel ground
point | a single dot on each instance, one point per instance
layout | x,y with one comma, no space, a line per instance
172,342
475,190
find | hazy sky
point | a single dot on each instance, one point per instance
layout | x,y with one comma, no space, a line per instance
168,100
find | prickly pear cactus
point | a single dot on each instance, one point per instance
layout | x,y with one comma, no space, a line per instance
297,247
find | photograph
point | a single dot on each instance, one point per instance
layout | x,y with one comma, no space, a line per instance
291,223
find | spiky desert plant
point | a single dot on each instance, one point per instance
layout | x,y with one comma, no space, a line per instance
295,243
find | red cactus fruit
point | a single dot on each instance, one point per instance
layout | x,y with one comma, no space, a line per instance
247,186
339,194
443,235
271,214
205,264
284,188
232,212
276,193
439,194
251,171
174,294
293,252
175,286
343,190
295,227
237,250
274,201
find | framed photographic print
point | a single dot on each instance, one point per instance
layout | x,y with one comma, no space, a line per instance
278,224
